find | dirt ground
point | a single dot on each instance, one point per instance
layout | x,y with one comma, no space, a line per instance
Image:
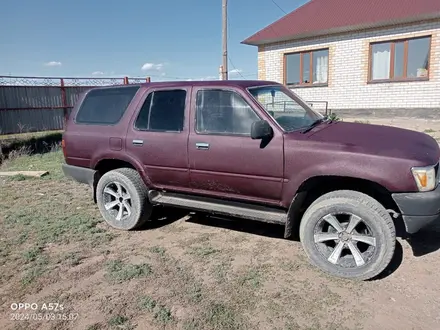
185,271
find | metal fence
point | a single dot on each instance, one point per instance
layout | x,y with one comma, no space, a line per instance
32,104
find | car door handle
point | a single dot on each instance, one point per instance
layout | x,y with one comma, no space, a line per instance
202,146
138,142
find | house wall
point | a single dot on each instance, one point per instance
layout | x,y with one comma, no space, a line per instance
348,92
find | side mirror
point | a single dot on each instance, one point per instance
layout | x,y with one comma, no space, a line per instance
261,129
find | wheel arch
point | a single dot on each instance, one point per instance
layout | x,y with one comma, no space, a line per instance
316,186
105,165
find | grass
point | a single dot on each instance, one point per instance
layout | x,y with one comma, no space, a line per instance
118,271
32,254
118,321
163,314
38,212
222,317
252,278
22,160
203,251
38,265
55,226
27,136
147,303
429,130
96,326
158,250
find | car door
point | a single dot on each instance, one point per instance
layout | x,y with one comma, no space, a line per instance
223,159
158,136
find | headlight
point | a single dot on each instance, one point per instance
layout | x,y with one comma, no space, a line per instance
425,177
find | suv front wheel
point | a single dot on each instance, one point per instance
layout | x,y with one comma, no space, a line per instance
348,234
122,199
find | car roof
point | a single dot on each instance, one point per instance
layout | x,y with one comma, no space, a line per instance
216,83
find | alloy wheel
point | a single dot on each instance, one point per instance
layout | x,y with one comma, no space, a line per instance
117,201
345,240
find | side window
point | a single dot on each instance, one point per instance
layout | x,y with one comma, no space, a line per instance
105,106
223,112
162,111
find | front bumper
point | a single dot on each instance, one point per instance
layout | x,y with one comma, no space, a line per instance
418,209
79,174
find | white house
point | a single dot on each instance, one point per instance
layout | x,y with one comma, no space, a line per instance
362,57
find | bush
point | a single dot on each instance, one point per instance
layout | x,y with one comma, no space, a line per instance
334,117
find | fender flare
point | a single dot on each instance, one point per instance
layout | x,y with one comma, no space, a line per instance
122,157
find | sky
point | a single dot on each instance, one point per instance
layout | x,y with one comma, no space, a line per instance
165,39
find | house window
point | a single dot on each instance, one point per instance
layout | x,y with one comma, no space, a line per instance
400,60
306,68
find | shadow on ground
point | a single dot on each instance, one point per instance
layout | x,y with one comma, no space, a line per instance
425,241
395,263
241,225
163,216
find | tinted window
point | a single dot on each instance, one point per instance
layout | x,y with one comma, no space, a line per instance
223,112
162,111
105,106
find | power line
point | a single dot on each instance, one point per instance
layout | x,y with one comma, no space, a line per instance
273,1
236,70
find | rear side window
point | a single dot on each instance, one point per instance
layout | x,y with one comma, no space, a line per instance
163,111
105,106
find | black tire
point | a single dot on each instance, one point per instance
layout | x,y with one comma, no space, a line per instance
138,203
376,226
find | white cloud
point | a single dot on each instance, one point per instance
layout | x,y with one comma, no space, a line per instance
97,73
152,66
203,78
163,74
53,63
235,71
209,78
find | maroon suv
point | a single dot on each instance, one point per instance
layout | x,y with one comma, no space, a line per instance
255,150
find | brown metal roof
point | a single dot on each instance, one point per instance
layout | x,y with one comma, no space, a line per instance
320,17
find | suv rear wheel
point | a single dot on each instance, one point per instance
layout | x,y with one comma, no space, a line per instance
122,199
348,234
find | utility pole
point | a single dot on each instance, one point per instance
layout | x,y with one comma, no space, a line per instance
225,39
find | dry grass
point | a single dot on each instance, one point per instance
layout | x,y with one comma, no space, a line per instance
15,146
182,274
26,136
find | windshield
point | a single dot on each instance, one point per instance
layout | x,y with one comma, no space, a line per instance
288,110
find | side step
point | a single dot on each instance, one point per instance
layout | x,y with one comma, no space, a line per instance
219,206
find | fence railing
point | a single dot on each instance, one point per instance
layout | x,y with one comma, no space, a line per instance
321,106
32,104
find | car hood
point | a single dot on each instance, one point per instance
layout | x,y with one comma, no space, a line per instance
377,140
